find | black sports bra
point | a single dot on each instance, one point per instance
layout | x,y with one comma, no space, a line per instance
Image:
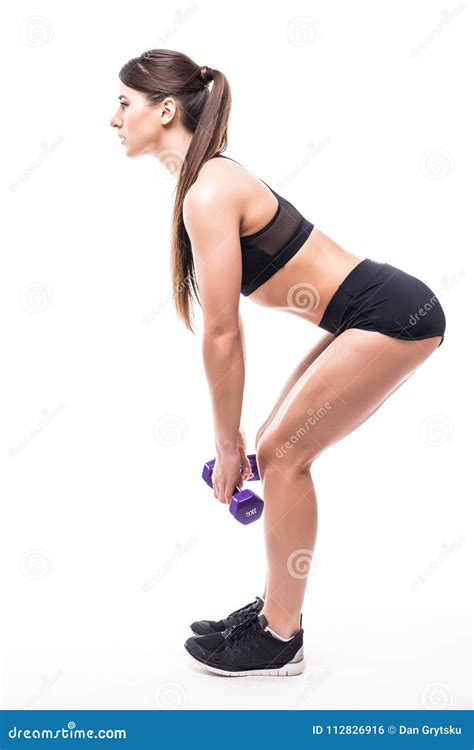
266,251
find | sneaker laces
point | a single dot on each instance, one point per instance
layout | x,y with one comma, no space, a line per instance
244,617
242,630
240,609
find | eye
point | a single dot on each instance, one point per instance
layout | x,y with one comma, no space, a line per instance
122,104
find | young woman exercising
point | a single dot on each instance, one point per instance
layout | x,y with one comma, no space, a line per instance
232,235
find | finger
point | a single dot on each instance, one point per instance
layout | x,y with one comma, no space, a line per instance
244,461
247,473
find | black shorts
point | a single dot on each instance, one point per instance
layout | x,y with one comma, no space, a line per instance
379,297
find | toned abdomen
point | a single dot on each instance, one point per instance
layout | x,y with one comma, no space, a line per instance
307,282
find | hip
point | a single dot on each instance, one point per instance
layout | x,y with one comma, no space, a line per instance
380,297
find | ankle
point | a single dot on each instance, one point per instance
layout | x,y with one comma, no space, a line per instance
284,629
277,635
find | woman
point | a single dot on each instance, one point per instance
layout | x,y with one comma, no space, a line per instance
233,235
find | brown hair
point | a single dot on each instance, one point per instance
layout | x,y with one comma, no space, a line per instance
204,112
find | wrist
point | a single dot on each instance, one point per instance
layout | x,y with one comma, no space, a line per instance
227,446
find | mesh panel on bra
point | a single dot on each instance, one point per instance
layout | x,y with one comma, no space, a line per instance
266,251
278,232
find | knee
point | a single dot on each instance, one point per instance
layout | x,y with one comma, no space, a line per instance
274,452
264,454
259,434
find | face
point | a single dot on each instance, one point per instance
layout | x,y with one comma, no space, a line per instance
140,123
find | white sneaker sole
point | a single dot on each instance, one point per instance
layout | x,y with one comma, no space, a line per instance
294,667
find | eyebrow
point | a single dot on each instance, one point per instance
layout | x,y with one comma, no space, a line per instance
122,97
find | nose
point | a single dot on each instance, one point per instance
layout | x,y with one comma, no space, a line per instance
116,121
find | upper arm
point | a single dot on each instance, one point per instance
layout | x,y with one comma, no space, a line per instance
212,222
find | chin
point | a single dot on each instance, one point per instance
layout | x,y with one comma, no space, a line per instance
131,154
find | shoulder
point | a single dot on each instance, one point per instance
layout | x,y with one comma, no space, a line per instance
217,195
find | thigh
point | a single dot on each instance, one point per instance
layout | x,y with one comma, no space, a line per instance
309,358
345,385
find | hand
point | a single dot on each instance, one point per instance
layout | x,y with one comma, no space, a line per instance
246,467
226,474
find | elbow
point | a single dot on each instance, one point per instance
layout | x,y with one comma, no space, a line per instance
218,333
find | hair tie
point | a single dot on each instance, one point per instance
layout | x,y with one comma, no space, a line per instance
207,74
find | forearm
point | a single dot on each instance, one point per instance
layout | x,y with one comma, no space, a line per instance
224,362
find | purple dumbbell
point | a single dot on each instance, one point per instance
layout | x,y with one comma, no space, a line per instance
245,505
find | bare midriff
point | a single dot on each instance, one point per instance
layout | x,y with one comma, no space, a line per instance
306,283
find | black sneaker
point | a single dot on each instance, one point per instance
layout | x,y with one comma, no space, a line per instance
248,649
205,627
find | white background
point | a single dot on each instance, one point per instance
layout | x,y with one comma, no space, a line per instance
111,543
